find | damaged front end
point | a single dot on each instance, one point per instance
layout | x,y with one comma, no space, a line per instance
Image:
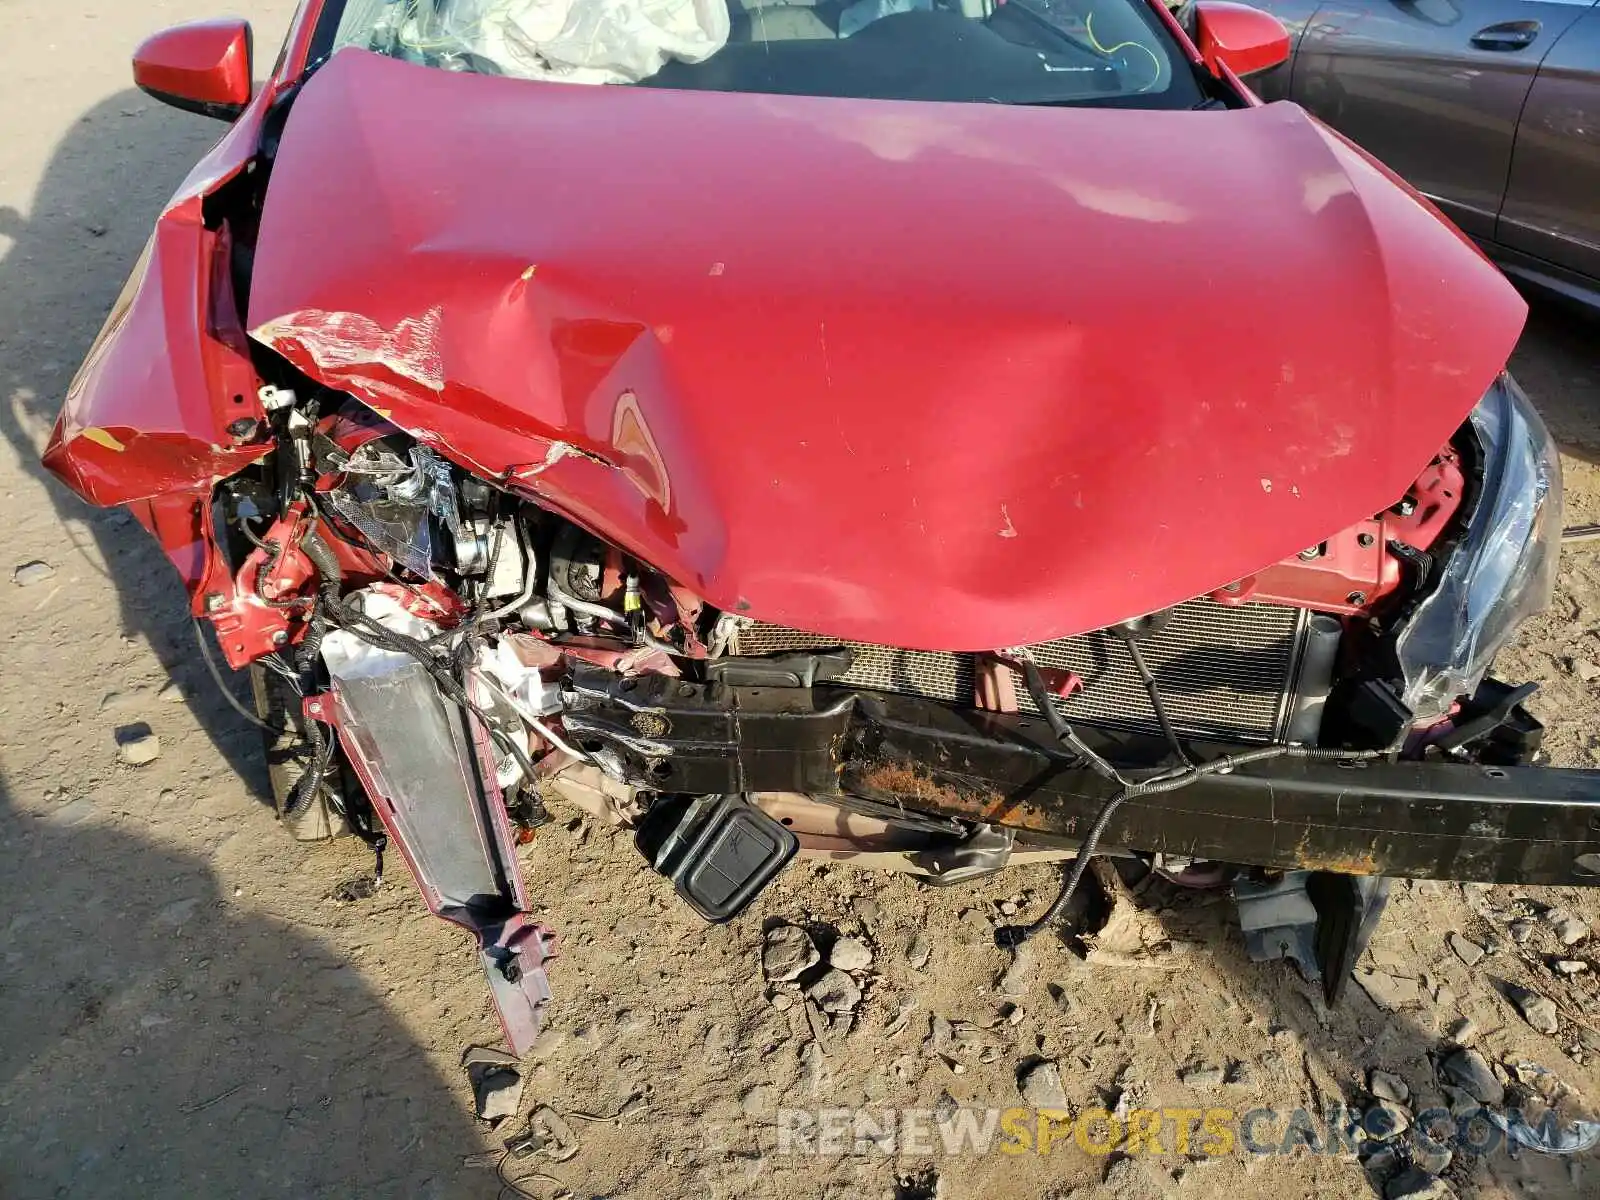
495,548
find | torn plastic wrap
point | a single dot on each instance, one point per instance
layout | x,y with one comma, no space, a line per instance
577,41
422,762
390,503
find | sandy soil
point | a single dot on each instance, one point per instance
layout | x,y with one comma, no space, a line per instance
184,1010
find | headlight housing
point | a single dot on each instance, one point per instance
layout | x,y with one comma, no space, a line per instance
1503,569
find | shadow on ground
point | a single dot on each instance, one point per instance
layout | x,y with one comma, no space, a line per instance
68,259
157,1040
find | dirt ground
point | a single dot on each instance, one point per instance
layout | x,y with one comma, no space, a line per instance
184,1010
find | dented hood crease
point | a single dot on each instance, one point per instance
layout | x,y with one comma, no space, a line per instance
939,376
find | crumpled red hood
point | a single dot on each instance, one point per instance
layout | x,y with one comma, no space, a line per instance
939,376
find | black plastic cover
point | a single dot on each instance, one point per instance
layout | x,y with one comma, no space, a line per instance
719,852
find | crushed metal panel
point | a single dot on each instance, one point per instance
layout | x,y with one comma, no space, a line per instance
422,765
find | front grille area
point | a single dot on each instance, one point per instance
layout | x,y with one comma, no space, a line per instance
1224,670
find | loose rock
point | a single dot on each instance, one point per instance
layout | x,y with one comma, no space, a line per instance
29,573
1586,669
1388,1087
137,746
1013,980
1571,966
1383,1158
1461,1102
1433,1157
1467,1070
1569,930
1386,1120
1202,1076
850,954
1463,1032
787,953
1537,1010
1040,1085
1389,992
1466,950
918,953
1521,931
835,992
496,1083
1416,1184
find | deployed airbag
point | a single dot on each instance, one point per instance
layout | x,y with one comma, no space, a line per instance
587,41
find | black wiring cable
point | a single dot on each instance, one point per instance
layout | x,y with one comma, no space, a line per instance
1154,691
375,633
1012,936
222,686
1064,732
306,787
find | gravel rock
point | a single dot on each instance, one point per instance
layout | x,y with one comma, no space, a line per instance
1383,1159
787,953
1040,1085
850,954
496,1084
1537,1010
1467,1070
835,992
782,1001
920,950
868,911
1416,1184
1433,1157
1202,1076
29,573
1386,1120
1460,1102
1466,949
1388,1087
1571,966
1586,669
137,746
1013,980
1389,992
1463,1032
1569,930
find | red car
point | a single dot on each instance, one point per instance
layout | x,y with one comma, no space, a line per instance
935,432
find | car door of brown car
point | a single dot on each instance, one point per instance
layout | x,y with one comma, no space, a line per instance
1433,88
1552,205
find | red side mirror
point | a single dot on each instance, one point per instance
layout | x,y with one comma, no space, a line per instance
1241,38
201,67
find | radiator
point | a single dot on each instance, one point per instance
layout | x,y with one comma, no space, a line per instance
1223,670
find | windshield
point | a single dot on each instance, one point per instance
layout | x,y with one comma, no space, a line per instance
1002,51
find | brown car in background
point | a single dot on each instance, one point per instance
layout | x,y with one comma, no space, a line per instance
1491,108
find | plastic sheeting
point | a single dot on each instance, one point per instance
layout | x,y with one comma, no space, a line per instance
585,41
